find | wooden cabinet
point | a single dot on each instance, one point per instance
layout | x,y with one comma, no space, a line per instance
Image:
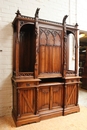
43,84
71,95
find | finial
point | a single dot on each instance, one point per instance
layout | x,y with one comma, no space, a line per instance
76,24
18,13
64,19
37,12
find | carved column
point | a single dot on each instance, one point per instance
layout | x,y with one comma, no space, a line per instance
37,100
64,45
36,42
18,14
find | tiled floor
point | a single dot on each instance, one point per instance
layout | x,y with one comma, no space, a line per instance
82,97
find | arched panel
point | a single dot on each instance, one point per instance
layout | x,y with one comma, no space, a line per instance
57,40
50,54
43,39
50,39
42,51
26,47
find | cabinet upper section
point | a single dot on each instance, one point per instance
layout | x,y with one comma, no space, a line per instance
41,47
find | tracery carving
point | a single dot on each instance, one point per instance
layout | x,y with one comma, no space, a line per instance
54,34
70,72
23,73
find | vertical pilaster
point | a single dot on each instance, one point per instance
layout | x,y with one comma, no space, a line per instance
36,42
64,45
17,42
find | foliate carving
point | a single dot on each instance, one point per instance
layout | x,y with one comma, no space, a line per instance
36,21
45,91
70,72
56,90
37,35
64,44
36,30
21,23
64,23
27,17
37,12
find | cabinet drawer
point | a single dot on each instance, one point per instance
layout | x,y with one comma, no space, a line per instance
26,84
72,80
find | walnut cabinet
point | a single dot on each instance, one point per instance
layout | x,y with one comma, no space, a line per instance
43,84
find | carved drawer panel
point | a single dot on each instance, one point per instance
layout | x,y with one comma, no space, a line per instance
26,84
72,80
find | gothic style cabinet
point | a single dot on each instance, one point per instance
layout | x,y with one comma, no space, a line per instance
44,84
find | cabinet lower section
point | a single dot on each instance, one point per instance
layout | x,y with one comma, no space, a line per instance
34,101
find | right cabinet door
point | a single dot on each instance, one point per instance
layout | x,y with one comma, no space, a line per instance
71,98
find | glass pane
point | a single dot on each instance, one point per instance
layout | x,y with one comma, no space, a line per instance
71,52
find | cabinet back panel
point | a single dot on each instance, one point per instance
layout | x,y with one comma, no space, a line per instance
27,52
50,54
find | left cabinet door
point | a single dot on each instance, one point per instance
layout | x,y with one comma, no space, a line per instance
26,101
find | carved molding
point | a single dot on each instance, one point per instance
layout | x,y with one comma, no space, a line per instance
23,73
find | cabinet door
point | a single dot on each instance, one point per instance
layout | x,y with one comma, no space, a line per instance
57,96
71,95
26,101
50,97
44,98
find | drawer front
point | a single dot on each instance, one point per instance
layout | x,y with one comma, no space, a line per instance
72,80
26,84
